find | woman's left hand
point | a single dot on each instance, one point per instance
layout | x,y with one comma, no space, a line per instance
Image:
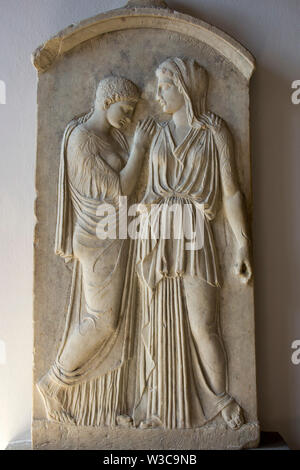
243,268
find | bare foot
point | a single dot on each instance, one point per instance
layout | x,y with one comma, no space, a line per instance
233,415
153,422
124,421
55,410
60,415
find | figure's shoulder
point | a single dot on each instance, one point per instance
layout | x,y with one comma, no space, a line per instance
80,134
218,127
216,123
81,139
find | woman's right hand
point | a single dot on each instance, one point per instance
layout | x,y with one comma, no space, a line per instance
144,132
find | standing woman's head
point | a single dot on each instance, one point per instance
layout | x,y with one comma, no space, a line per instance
117,97
182,81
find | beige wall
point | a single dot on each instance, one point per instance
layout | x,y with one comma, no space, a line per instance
270,29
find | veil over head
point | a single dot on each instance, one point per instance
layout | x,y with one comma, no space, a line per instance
192,81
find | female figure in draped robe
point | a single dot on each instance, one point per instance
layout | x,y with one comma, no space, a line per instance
182,377
87,383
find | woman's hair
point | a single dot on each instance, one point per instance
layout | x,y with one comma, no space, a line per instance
114,89
109,91
191,79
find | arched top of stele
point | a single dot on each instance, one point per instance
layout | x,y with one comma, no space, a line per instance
154,14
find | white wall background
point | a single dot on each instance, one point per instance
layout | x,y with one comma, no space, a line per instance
270,29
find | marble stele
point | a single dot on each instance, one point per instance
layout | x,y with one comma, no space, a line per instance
143,312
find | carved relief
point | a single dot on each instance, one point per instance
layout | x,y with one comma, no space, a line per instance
181,367
95,169
160,286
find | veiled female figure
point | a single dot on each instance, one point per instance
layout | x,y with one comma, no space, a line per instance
182,377
87,383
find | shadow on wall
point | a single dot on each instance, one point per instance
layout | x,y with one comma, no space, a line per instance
277,268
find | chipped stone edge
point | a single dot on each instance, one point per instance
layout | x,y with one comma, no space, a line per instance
128,17
216,437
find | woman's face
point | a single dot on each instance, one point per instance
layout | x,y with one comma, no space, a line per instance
119,114
168,95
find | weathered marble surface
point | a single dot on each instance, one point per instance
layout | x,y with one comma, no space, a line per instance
70,67
216,436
